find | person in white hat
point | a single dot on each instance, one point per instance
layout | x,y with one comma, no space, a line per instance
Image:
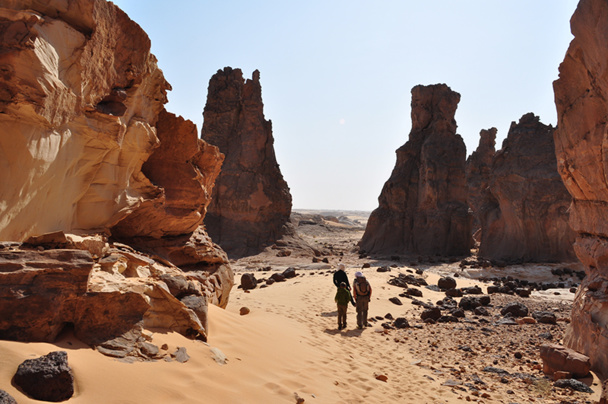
362,292
340,276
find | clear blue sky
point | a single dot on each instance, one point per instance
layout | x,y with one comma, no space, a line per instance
336,75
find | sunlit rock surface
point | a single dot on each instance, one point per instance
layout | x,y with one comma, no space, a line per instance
88,158
581,144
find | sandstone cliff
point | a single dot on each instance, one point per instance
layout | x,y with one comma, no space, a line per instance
423,206
89,157
478,171
523,211
581,143
251,201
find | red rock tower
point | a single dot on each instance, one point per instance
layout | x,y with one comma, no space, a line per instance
423,205
251,202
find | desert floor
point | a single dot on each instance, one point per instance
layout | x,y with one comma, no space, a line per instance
288,346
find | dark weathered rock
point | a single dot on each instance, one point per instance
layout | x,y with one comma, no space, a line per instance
290,273
560,358
251,202
432,313
48,378
581,95
401,322
248,281
523,214
395,300
544,317
574,385
469,303
478,172
423,205
516,309
446,282
6,398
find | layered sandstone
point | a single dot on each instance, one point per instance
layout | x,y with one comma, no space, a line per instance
523,212
478,171
581,144
88,150
423,205
251,202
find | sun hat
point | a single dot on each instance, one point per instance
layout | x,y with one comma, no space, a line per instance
358,274
341,266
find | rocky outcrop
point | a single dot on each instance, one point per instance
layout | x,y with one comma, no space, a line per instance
523,213
478,172
90,158
251,201
78,107
423,206
581,142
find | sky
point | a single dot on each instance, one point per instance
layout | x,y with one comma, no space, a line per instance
337,75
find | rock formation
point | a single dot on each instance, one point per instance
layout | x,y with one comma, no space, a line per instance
251,201
523,213
581,142
423,206
89,157
478,171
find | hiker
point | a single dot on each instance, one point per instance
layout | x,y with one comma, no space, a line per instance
362,292
342,298
340,276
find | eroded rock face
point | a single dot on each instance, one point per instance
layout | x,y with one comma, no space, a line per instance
581,144
478,172
523,213
423,206
78,108
88,149
251,201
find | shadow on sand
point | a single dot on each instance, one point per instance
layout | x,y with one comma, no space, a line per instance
345,333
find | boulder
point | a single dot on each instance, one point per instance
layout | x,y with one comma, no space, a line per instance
523,212
401,322
446,282
515,309
581,95
431,313
48,378
248,281
251,202
423,205
544,317
560,358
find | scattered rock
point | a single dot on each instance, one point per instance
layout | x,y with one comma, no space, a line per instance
544,317
395,300
6,398
516,309
248,281
446,283
559,358
180,355
382,378
218,356
574,385
244,311
401,322
48,378
431,313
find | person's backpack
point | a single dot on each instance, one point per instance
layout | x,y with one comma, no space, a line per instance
362,287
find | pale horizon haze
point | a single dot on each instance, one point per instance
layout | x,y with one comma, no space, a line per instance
337,75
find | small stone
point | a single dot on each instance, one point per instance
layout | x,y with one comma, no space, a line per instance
382,378
244,311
